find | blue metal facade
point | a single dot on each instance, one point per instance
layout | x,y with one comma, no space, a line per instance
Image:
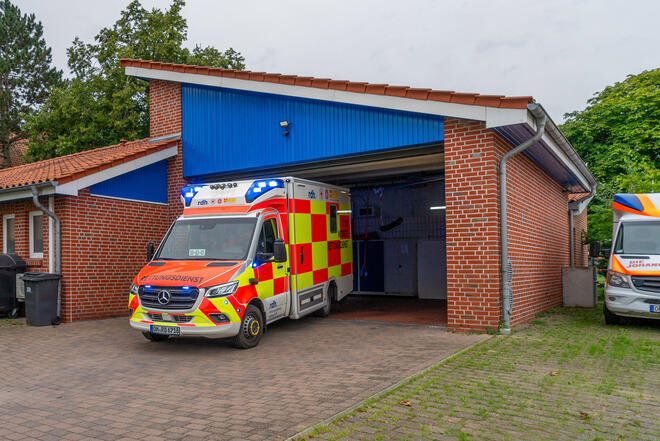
542,156
144,184
230,130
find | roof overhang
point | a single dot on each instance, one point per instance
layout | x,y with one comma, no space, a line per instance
71,188
495,118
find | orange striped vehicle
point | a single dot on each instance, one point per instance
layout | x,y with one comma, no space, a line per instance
243,255
633,274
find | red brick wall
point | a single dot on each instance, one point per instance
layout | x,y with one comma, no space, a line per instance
164,108
473,283
538,236
165,119
538,230
104,245
21,210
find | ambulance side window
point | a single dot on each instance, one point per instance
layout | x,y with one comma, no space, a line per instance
267,236
333,219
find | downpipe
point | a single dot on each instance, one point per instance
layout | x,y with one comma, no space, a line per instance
58,254
506,267
573,207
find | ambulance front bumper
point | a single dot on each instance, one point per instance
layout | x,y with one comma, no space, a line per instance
218,331
631,303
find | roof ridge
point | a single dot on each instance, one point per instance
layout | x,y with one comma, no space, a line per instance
72,166
71,155
450,96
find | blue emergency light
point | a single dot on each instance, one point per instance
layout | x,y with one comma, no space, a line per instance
188,192
260,187
629,200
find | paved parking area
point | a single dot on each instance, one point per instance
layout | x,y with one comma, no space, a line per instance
102,380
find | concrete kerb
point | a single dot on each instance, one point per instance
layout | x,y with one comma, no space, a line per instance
386,391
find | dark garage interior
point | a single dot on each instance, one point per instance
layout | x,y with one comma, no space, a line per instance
399,263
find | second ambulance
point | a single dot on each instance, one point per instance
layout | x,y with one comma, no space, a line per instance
243,255
633,275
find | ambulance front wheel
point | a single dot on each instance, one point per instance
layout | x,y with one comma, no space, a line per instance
610,317
252,328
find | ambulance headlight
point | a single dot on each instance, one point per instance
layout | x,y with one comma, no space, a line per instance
221,290
134,289
617,279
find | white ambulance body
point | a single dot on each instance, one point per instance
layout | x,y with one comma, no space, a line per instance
633,277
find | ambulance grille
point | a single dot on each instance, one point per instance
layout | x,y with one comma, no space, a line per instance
647,283
179,298
174,318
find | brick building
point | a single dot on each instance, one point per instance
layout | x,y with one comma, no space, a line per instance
422,166
110,201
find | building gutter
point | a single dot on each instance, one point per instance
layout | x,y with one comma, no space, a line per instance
506,267
58,242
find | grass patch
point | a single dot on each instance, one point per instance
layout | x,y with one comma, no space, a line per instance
566,376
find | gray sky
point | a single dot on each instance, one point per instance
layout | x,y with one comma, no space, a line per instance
559,51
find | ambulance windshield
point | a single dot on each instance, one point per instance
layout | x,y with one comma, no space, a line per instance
208,239
638,238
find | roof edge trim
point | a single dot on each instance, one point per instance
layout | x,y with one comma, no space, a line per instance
24,191
493,116
558,141
71,188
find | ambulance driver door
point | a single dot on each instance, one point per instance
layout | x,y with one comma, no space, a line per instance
273,279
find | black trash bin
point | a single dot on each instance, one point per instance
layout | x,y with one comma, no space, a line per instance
41,292
10,265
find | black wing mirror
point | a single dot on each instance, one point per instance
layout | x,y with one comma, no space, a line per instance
150,251
279,251
262,257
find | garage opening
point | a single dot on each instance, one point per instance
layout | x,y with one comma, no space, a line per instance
399,257
399,263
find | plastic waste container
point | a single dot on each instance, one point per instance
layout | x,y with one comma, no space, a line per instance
10,266
41,298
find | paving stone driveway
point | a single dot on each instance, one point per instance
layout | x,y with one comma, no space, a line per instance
102,380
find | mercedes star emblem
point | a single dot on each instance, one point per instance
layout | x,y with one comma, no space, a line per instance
164,297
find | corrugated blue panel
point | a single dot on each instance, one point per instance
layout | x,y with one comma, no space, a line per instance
144,184
542,156
230,130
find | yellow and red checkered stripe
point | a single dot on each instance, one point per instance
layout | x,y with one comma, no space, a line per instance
317,253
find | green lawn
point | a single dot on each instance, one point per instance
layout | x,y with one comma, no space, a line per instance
565,376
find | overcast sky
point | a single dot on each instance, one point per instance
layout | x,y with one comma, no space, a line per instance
559,51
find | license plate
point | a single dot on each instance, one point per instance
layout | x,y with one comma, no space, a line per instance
165,330
654,308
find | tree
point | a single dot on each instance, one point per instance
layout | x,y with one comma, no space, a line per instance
101,105
26,74
618,135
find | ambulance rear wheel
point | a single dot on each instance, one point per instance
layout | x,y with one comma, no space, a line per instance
155,337
331,294
252,328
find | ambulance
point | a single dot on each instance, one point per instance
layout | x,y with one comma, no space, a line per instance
633,274
243,255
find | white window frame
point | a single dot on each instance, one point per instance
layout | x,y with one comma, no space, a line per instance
34,255
6,217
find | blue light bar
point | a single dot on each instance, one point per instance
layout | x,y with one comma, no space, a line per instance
188,193
629,200
260,187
